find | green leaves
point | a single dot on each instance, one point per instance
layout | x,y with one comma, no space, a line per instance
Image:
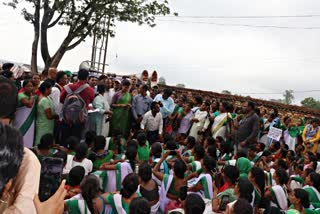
311,103
83,18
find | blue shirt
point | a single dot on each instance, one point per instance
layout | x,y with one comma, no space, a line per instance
168,105
140,105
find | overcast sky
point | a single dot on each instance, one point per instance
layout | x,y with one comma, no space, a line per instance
202,56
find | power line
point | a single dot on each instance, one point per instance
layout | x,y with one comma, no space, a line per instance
295,92
241,25
244,17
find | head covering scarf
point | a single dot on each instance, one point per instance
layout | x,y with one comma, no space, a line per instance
68,73
244,166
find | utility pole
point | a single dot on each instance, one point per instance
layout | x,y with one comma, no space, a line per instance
106,46
93,54
103,37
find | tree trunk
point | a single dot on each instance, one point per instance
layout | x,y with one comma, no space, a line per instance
46,18
36,27
55,60
34,62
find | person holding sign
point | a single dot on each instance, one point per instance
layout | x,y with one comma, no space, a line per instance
275,133
311,136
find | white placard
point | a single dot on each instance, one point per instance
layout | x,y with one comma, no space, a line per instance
275,133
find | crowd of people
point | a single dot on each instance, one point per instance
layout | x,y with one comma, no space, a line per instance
128,147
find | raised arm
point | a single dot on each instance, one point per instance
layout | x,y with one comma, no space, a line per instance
156,168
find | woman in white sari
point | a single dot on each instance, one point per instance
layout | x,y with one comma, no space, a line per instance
120,201
199,121
243,190
26,113
221,122
278,193
313,187
89,201
112,174
203,184
171,184
101,124
266,127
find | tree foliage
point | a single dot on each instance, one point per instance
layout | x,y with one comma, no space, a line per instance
162,81
311,103
288,96
277,100
181,85
82,18
226,92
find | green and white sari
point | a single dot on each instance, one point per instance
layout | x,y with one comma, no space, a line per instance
206,181
111,180
257,197
296,182
314,195
77,205
117,204
196,165
244,166
219,126
165,185
120,117
279,197
292,210
228,192
25,120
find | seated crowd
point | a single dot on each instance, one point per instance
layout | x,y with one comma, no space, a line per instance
127,147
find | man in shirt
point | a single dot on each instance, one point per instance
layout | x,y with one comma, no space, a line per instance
198,101
108,95
87,94
166,103
152,123
61,81
93,83
52,74
140,105
248,129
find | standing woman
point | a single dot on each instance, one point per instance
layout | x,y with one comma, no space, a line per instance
290,133
45,112
36,80
221,121
100,119
185,119
311,136
121,104
266,128
26,113
36,84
